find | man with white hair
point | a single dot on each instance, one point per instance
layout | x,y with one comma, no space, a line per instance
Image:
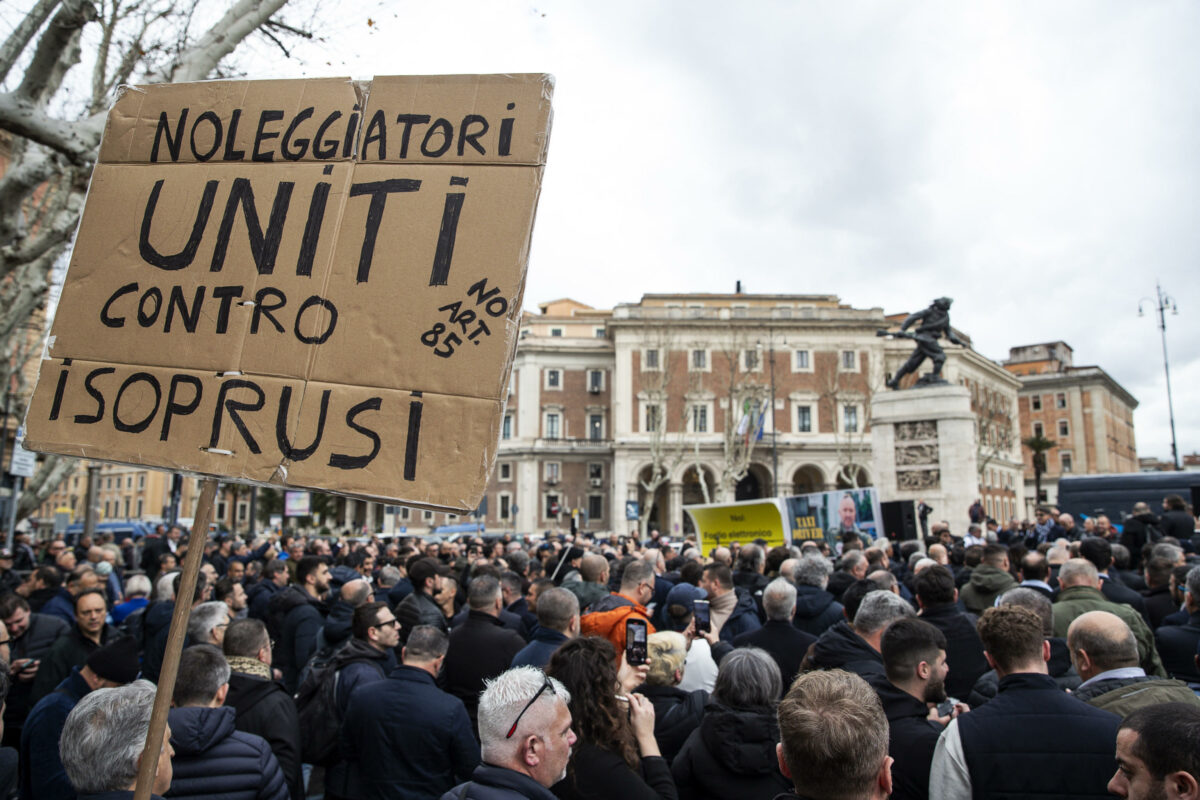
782,640
855,648
103,739
525,738
816,608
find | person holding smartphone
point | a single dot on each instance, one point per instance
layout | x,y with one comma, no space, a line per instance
616,756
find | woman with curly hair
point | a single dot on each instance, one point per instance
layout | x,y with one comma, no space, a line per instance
616,756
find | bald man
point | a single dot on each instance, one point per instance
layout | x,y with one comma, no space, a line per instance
1079,593
1105,654
593,580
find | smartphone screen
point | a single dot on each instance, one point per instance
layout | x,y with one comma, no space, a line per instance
703,620
636,651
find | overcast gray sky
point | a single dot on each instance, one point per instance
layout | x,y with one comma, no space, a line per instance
1036,161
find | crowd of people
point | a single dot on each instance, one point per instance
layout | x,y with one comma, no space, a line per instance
1048,660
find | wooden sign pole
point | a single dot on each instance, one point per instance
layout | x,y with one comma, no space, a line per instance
179,620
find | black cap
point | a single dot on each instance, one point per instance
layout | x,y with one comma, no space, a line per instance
424,568
117,661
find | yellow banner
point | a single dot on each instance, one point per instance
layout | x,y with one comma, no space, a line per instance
743,523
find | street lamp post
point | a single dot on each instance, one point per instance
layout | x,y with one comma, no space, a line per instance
1162,304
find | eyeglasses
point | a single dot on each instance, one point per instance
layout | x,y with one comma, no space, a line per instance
546,685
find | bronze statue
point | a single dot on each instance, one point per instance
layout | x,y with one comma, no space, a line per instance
935,322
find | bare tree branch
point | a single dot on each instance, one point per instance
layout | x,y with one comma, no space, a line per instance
19,39
76,141
66,25
49,475
196,62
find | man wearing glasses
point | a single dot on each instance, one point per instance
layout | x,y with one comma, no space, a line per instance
526,738
404,737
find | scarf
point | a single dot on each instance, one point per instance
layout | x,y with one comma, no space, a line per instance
249,666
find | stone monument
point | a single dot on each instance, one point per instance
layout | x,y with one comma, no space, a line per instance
924,437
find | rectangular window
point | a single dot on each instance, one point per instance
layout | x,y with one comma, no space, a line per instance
751,358
850,419
242,508
595,427
1038,430
220,509
599,333
552,425
699,359
804,419
1065,460
595,507
652,359
505,471
553,379
128,502
142,481
1035,402
557,332
700,419
506,428
1063,428
404,512
653,418
848,360
596,471
1060,400
426,515
139,506
129,482
551,506
802,360
553,470
595,380
504,506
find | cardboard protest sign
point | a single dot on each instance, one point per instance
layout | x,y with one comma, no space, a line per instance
303,283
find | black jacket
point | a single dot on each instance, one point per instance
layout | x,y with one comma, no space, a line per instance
265,709
1159,605
403,739
156,627
1177,648
816,610
1059,665
34,643
257,598
480,649
786,644
1112,588
676,714
912,738
1135,534
302,617
1179,524
732,754
215,760
598,774
743,618
416,609
1035,741
69,651
964,649
497,783
841,648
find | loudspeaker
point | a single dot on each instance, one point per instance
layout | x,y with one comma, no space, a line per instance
1195,497
900,520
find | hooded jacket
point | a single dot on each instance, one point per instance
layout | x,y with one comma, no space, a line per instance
743,618
265,709
816,610
299,617
732,754
986,584
214,760
841,648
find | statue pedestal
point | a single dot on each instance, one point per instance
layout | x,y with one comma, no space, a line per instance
923,447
